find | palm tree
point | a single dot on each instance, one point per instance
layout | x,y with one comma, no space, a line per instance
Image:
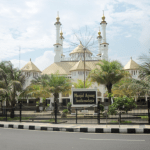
54,84
35,90
142,86
121,88
108,73
11,81
145,66
80,84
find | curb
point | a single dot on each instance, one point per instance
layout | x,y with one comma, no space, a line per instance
85,130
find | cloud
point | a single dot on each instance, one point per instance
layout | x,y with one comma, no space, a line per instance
127,36
18,64
41,62
30,23
45,60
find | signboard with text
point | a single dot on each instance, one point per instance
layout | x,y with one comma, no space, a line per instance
83,98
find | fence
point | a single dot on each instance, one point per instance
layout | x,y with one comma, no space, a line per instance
89,115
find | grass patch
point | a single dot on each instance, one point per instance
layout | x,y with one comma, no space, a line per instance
15,118
121,122
144,117
51,120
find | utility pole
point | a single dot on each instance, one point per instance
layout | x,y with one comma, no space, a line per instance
84,67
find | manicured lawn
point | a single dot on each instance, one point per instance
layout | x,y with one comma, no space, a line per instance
15,118
50,121
121,122
144,117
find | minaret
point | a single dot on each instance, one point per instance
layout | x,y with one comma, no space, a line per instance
99,38
61,42
57,46
104,44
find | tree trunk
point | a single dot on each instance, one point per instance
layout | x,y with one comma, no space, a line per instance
109,87
56,100
13,102
12,114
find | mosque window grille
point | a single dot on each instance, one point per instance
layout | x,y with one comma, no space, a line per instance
27,74
81,72
87,73
99,93
105,94
35,74
73,73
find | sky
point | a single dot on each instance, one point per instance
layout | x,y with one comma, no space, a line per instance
28,25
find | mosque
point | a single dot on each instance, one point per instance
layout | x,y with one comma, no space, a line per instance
73,66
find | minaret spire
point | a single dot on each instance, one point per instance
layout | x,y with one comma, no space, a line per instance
104,44
99,38
57,18
103,25
61,42
57,45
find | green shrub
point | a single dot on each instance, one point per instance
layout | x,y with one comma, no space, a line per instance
101,107
65,111
69,105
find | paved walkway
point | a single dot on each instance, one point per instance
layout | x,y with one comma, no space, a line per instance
78,127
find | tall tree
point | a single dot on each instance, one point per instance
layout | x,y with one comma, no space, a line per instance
145,66
122,88
142,85
80,84
54,84
11,82
108,73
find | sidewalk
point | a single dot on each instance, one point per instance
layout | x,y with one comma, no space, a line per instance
78,127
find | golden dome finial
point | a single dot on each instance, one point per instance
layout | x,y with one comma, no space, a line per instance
99,33
61,33
57,18
103,18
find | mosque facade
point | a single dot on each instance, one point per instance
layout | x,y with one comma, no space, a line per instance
73,66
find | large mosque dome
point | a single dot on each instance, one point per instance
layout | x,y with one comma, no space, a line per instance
79,49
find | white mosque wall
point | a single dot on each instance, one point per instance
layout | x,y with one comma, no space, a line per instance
57,57
103,25
29,77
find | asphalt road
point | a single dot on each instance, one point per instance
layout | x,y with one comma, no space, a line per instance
15,139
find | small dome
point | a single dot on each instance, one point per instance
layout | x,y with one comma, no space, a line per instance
61,34
79,66
30,66
131,65
99,35
79,49
103,18
57,18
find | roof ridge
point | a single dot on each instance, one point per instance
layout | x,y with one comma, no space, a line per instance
30,66
131,65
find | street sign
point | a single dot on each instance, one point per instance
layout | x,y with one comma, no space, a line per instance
84,97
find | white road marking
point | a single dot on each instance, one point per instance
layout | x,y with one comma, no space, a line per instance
112,140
